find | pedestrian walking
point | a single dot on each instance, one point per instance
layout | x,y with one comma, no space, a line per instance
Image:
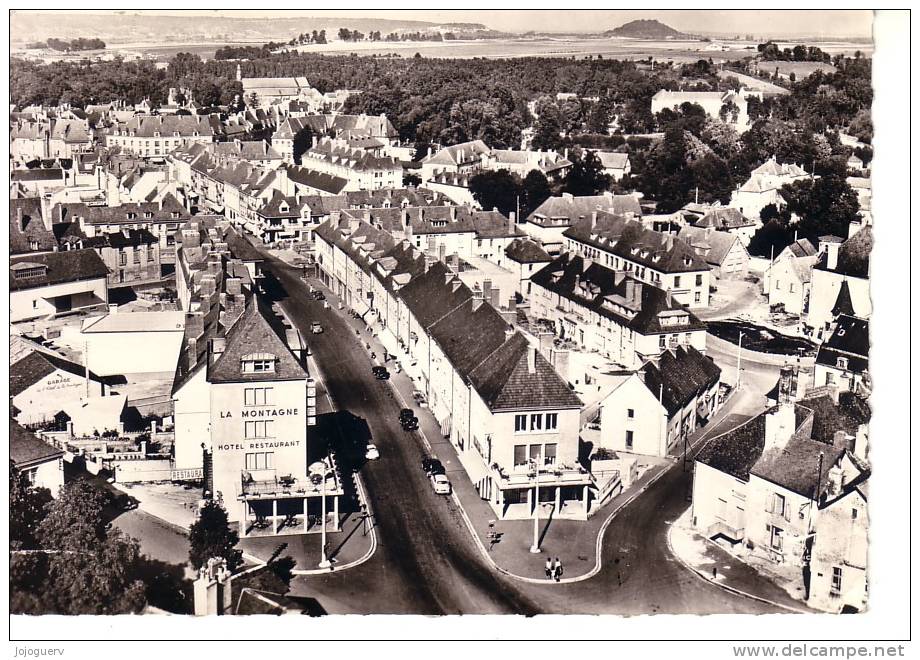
557,570
714,573
549,568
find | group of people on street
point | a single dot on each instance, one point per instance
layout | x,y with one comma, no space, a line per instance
553,569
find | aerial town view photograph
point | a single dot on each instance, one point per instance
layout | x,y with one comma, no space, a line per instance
383,312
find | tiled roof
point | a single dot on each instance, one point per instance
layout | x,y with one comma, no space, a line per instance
256,331
334,185
36,365
850,340
527,251
604,291
795,465
713,246
736,451
161,211
802,248
168,125
679,375
26,226
613,160
334,152
505,382
853,255
60,267
459,154
573,209
632,241
26,449
724,219
847,414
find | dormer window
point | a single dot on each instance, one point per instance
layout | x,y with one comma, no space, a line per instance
258,363
156,134
842,363
175,214
148,214
131,215
25,271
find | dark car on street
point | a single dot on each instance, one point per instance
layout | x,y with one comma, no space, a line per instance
410,424
432,465
380,373
406,413
319,295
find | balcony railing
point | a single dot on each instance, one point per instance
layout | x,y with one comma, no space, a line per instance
550,475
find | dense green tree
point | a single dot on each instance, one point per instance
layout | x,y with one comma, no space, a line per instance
75,520
27,509
826,205
586,177
535,190
548,129
500,189
771,238
210,536
303,141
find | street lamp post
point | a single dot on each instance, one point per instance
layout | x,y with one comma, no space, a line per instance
535,548
324,561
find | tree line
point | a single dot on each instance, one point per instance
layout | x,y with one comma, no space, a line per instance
69,46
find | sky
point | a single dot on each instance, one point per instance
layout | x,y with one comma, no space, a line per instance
844,23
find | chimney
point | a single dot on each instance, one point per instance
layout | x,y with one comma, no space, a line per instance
512,216
630,286
546,344
453,213
509,332
833,253
442,250
531,360
593,220
494,299
667,297
637,294
217,347
192,352
487,289
787,384
234,286
455,262
477,302
780,425
21,222
560,363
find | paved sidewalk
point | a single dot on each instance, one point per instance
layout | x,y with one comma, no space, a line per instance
574,542
352,544
732,572
174,504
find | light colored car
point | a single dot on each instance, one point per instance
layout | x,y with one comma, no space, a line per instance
372,454
316,328
441,484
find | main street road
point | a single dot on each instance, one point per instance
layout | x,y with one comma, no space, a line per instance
426,561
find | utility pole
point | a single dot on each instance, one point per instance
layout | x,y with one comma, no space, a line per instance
86,366
535,548
324,561
738,367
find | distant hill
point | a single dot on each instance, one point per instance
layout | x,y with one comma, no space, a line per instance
197,27
646,29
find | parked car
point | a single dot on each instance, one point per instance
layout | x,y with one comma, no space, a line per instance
316,328
410,424
319,295
372,454
380,373
432,466
406,413
441,484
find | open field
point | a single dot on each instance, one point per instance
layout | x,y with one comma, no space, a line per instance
800,69
578,47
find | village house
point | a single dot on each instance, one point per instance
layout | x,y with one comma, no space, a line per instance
30,228
265,92
160,219
769,482
839,263
611,312
843,357
729,107
372,127
661,260
53,283
729,220
42,383
524,256
39,463
661,404
154,136
548,222
136,343
362,169
616,164
723,251
763,188
788,282
52,138
131,255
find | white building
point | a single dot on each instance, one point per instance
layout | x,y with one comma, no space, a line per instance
843,357
553,217
42,384
41,464
840,262
55,283
763,188
657,407
717,105
133,343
